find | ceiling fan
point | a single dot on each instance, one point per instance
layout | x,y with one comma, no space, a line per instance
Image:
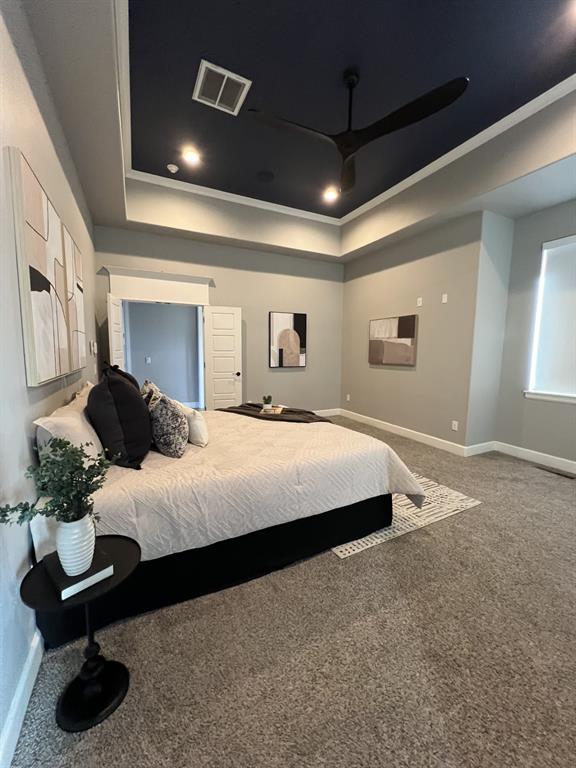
350,141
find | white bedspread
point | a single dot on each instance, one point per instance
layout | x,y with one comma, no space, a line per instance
253,474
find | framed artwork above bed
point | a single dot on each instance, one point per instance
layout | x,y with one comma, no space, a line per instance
50,280
287,340
393,340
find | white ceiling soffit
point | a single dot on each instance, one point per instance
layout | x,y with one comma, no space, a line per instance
121,23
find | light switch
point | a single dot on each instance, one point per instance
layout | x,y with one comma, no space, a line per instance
148,360
444,298
419,301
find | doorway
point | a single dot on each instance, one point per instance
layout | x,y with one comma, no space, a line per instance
192,352
164,343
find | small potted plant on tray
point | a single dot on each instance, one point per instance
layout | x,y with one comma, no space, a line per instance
65,478
267,403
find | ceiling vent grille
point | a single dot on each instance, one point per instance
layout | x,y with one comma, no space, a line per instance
219,88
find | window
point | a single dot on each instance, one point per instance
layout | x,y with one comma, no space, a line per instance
553,363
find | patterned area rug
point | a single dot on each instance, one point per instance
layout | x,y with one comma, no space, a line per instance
440,502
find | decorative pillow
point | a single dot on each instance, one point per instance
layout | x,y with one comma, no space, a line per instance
118,371
70,424
150,393
121,418
169,427
197,429
80,399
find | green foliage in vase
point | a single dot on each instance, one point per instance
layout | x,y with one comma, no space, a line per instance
267,399
68,476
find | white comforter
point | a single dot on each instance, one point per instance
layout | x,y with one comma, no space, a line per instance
253,474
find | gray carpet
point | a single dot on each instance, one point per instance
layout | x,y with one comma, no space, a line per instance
450,647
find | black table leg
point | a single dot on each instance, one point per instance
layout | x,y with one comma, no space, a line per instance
96,692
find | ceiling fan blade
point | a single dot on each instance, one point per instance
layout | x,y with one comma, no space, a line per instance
422,107
348,178
280,122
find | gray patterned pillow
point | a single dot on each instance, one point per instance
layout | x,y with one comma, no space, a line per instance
150,393
169,427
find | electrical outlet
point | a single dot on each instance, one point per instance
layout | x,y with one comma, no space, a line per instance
148,360
347,398
444,298
454,426
419,301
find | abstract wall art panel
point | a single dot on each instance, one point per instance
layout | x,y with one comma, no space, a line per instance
393,341
50,281
75,299
287,340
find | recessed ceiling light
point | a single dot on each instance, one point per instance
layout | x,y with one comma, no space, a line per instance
191,156
331,194
172,168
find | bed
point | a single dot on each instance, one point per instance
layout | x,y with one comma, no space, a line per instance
259,496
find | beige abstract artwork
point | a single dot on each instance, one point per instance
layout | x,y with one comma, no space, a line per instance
393,341
287,340
51,286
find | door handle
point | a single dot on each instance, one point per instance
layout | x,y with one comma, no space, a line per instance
238,373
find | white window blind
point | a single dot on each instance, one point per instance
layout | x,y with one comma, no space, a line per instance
553,363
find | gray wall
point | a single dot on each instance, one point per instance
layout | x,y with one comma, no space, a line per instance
258,282
541,426
168,335
489,324
29,122
429,396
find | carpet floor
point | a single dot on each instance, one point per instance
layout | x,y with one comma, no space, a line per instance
450,647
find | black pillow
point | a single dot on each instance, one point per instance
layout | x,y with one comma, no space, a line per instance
121,419
128,376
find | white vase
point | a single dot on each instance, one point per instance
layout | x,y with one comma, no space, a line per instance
75,544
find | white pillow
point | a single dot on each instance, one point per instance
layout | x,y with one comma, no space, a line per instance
197,429
70,423
80,399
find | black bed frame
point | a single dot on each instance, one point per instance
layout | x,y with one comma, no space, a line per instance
175,578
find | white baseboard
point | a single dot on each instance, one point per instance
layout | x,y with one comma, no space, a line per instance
420,437
555,462
15,718
545,459
330,412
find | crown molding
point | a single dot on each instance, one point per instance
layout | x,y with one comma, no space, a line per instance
564,88
121,22
229,197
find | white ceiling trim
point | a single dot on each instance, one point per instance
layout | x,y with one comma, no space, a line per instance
121,31
229,197
556,93
545,99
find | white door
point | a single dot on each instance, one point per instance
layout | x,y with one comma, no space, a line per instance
223,356
116,331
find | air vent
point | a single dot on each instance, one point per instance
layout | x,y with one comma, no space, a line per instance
219,88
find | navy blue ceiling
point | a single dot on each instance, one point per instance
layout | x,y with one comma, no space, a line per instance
295,53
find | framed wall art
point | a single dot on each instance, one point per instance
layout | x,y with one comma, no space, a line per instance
392,340
50,281
287,340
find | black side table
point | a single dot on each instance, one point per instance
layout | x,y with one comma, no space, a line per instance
101,685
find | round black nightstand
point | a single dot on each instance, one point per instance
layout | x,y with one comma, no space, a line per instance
101,685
